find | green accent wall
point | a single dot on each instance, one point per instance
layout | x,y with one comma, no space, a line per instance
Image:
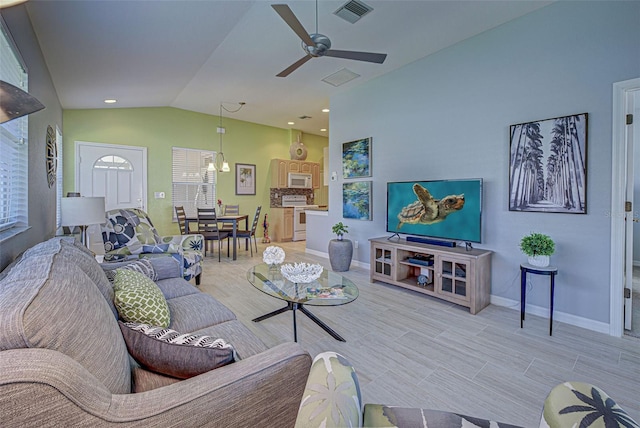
160,129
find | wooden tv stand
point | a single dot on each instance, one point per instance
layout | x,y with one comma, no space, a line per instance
454,274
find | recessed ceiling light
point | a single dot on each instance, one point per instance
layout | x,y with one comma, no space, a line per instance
325,110
110,101
323,130
291,123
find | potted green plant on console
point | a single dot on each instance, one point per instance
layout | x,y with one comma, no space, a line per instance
340,250
538,247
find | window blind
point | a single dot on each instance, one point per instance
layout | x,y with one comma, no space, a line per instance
59,186
13,141
194,184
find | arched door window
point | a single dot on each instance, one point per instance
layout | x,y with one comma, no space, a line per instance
113,162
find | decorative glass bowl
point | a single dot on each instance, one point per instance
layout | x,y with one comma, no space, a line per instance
301,273
273,255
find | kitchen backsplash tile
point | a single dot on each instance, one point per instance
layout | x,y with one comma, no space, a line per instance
275,198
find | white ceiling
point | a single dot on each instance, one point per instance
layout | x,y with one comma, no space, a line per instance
194,55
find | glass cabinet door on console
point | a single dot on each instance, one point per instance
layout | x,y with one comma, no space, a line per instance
382,263
453,275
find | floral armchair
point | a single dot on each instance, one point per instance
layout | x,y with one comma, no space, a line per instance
130,234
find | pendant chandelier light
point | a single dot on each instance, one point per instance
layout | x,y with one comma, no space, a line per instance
220,163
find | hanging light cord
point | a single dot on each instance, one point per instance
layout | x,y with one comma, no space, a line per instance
220,163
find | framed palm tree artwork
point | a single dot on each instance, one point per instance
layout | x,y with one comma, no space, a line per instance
547,165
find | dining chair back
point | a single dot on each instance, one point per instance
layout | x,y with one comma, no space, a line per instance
230,210
182,220
251,233
208,227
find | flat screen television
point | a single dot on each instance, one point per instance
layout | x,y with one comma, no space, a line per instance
440,209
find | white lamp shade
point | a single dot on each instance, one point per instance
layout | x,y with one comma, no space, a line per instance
82,211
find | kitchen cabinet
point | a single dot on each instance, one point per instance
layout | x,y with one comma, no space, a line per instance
315,174
280,169
281,224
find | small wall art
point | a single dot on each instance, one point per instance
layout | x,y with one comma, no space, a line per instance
356,200
548,161
245,179
356,158
51,156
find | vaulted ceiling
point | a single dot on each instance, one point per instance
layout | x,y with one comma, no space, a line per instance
195,55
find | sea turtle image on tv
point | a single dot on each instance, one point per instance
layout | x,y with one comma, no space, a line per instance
427,209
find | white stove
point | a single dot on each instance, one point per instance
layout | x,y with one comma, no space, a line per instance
299,204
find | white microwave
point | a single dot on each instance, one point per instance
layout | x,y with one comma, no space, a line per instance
299,181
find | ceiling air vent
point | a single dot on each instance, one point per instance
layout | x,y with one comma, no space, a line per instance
352,11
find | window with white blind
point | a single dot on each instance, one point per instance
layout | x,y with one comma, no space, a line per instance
194,182
13,142
59,184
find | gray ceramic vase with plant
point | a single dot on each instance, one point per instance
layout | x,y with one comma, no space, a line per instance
340,249
538,247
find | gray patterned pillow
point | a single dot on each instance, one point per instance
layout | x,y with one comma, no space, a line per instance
166,351
143,266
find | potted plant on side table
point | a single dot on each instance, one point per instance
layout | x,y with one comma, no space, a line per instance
538,247
340,250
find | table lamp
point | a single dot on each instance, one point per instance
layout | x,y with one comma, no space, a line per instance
83,212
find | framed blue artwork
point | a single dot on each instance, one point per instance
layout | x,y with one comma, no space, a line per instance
356,158
356,200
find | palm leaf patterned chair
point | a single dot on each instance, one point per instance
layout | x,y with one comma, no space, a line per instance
130,234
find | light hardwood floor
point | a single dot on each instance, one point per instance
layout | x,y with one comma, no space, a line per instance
416,351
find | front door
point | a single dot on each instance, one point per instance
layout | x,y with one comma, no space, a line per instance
119,173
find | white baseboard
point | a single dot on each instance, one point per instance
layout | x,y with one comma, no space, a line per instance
326,256
597,326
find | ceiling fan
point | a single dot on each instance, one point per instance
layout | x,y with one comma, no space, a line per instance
316,45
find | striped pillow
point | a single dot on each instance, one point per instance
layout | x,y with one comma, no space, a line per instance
143,266
171,353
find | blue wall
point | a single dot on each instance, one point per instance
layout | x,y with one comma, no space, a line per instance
448,116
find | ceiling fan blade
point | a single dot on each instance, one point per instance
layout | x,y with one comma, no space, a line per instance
358,56
287,14
293,67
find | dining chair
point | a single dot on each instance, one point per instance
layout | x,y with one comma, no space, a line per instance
230,210
182,220
248,234
208,227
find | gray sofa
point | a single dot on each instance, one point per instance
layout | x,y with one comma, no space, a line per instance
64,362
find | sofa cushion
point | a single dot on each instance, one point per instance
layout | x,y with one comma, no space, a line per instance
50,303
196,311
245,342
378,415
138,299
176,287
174,354
142,265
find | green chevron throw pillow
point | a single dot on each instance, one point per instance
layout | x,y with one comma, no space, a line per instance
138,299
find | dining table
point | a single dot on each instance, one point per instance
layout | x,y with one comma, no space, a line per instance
233,219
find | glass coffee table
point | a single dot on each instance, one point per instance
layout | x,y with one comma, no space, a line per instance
331,289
